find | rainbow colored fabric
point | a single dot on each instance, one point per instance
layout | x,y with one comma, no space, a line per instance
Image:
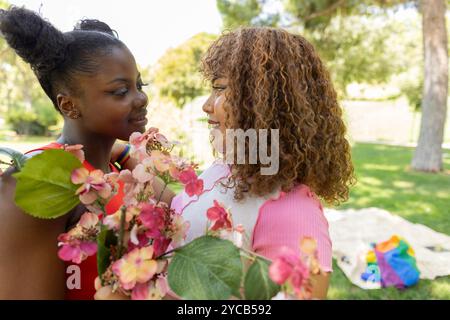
392,263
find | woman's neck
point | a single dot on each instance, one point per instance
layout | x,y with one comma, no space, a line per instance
97,148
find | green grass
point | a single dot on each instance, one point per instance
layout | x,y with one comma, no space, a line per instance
386,181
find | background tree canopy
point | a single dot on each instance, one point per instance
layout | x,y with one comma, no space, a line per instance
25,106
176,75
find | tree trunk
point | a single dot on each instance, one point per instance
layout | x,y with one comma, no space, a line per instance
428,154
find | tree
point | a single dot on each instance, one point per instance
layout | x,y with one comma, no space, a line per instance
176,75
428,154
22,102
237,13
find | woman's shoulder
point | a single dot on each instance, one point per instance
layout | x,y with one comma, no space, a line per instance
218,169
300,197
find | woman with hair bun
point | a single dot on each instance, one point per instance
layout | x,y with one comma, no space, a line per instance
92,80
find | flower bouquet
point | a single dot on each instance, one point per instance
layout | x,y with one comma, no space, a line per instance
139,248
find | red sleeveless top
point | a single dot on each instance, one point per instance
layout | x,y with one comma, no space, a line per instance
88,268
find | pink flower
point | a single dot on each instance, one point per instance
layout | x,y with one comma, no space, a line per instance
141,174
188,175
77,251
220,217
76,150
80,242
193,185
93,185
138,143
153,290
140,241
88,220
112,221
161,161
135,267
126,176
179,229
153,218
163,140
112,179
289,267
160,245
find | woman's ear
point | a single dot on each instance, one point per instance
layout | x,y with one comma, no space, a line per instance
67,106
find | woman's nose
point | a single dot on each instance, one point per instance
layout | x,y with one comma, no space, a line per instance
208,106
141,101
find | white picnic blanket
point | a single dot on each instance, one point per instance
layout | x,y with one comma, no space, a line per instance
352,232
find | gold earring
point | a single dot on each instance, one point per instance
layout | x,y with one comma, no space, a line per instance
75,115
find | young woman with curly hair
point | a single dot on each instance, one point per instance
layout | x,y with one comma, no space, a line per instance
266,78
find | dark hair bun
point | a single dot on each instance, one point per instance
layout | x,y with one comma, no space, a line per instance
95,25
34,39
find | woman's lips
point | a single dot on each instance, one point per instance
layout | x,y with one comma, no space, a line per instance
214,124
140,120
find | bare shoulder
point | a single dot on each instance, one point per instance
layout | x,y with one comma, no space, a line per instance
28,249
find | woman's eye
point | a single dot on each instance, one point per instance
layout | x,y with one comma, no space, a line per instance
218,88
140,85
120,92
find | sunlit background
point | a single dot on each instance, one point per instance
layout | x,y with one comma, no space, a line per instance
374,53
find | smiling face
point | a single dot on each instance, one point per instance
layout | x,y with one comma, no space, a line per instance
111,102
214,107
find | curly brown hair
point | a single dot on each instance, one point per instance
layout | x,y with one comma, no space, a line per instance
277,80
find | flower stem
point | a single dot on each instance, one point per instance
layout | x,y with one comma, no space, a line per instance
166,253
121,231
162,192
252,255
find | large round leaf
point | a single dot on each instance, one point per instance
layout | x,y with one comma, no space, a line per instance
257,284
44,189
208,268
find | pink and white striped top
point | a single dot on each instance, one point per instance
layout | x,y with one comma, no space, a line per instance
277,220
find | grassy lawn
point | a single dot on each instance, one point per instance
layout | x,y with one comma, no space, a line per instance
385,181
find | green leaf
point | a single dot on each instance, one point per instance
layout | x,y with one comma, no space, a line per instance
207,268
257,283
105,240
44,189
18,159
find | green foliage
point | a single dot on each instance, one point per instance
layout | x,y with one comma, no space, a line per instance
105,240
257,284
355,53
177,75
36,120
44,189
237,13
23,103
206,268
4,4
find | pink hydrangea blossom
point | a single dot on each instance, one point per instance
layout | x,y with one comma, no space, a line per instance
92,183
76,150
220,217
137,266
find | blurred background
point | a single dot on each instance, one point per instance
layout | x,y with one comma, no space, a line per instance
394,100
